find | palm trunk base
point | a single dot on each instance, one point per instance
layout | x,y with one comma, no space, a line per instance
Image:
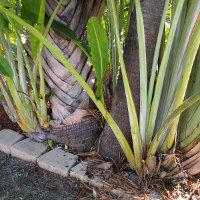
80,136
183,165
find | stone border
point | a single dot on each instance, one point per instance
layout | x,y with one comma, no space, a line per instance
56,160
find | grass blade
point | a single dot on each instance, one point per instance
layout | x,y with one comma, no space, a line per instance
143,70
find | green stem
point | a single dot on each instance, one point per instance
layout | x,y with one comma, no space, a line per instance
8,99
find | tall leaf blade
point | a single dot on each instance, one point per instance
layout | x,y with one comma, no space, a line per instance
98,43
39,26
143,70
155,59
191,118
187,64
187,21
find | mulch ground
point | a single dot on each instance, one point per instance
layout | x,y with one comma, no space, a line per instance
24,181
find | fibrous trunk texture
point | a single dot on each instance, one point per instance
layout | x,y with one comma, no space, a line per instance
69,95
152,11
70,101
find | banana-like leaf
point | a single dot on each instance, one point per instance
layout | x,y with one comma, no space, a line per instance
34,12
5,68
98,43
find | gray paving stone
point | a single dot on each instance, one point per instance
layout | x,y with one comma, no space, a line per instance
79,172
57,161
28,150
9,138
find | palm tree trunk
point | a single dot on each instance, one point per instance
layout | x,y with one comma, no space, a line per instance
152,11
69,94
71,123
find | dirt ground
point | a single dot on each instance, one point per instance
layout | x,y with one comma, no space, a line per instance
24,181
21,180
